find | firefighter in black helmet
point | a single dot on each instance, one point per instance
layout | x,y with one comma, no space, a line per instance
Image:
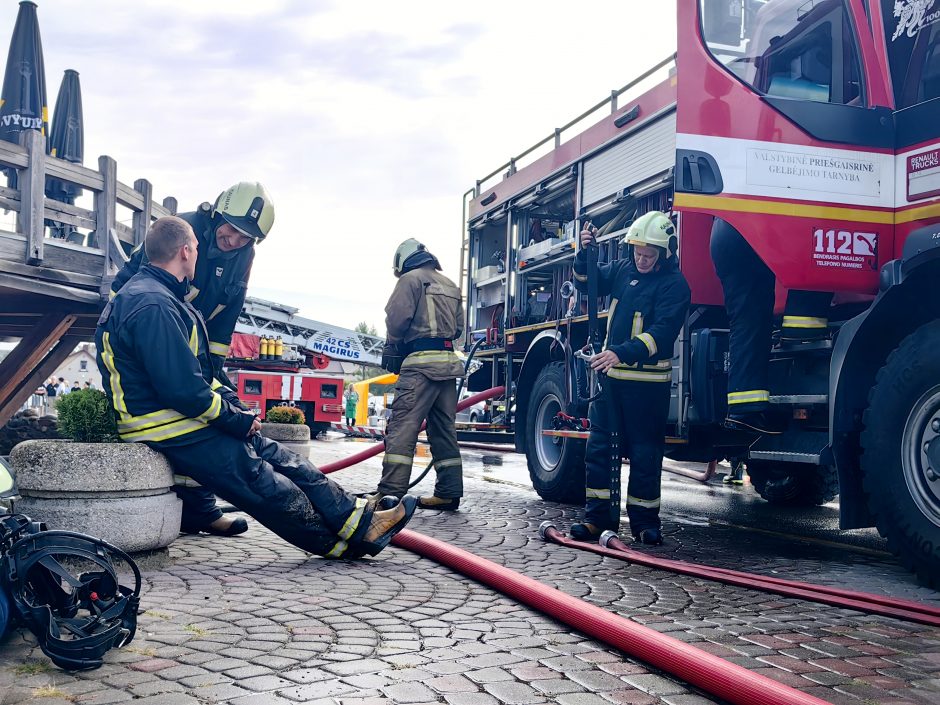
227,231
424,315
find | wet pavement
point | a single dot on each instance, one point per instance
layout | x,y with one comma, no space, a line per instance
253,621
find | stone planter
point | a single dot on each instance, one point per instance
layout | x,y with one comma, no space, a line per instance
286,432
118,492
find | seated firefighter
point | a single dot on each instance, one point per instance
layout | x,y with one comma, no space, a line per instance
153,354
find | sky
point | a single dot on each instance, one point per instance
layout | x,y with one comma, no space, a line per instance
366,120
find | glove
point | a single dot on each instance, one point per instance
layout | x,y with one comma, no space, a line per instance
392,358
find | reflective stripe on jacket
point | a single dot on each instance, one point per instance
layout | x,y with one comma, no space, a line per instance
426,304
152,352
645,315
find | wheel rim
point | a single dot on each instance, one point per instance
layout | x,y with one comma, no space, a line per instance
922,478
548,448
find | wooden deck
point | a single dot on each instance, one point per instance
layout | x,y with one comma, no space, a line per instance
52,290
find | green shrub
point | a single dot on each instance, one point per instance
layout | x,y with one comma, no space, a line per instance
86,416
285,414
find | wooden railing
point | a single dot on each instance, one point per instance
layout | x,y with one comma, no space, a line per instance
85,268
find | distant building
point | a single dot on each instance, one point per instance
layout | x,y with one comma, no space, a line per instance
80,366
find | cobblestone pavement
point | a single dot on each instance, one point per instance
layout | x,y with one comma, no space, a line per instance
253,621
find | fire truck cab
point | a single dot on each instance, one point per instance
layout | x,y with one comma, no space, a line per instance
813,128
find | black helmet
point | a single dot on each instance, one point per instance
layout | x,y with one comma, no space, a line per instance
76,618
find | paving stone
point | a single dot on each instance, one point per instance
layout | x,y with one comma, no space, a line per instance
489,675
410,693
513,693
353,668
653,684
631,697
470,699
556,686
320,689
263,683
168,699
581,699
452,684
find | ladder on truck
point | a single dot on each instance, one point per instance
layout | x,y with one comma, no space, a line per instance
260,317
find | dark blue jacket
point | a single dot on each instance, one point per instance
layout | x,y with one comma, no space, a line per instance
221,282
153,355
645,315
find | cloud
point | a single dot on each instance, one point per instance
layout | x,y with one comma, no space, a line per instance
365,120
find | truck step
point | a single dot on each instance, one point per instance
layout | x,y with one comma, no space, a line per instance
793,447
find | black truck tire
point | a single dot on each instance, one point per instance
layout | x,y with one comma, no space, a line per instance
794,484
556,465
900,446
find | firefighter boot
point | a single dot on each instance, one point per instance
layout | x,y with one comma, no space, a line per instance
585,532
439,503
386,523
220,527
649,537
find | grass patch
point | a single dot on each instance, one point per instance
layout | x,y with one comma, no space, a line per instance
158,615
31,668
50,691
142,652
198,631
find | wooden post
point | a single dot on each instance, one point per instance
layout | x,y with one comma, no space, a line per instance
38,375
142,217
32,184
170,204
105,202
31,349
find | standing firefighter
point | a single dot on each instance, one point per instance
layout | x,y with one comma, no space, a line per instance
153,354
649,302
423,317
227,231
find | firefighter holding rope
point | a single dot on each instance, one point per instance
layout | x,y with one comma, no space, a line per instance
649,301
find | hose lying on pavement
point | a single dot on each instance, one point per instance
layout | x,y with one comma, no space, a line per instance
377,448
613,547
714,675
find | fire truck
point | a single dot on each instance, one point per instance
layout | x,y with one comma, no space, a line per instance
301,375
813,128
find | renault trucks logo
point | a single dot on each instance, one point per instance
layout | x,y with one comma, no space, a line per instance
913,16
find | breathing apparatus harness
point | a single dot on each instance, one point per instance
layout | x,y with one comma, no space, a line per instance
76,618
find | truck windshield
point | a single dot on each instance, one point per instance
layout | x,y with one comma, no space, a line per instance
912,29
803,49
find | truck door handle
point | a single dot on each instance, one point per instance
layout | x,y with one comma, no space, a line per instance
697,172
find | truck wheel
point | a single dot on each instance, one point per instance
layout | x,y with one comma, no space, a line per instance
901,452
556,465
794,484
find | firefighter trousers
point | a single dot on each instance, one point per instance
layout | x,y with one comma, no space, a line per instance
279,488
748,286
640,410
418,398
199,506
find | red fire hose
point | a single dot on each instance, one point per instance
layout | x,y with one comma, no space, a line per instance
613,547
380,446
714,675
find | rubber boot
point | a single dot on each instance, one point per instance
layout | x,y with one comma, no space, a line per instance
585,532
649,537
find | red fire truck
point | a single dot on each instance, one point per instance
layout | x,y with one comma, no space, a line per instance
263,384
813,128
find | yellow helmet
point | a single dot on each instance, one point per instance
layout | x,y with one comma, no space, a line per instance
653,228
247,207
